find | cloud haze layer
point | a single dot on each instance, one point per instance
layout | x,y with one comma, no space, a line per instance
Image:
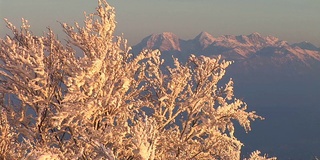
291,20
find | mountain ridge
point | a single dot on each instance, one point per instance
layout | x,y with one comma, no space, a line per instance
168,41
251,53
244,46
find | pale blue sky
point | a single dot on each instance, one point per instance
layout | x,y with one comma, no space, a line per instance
291,20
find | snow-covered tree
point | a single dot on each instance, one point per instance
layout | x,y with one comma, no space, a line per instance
105,103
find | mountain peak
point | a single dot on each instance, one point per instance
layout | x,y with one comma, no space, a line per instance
166,41
204,35
166,35
306,45
204,39
255,34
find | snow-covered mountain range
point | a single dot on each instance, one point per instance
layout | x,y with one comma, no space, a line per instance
251,53
238,47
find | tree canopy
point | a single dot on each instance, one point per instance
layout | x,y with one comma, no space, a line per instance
105,103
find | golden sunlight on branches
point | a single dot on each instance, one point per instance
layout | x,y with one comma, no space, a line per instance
109,104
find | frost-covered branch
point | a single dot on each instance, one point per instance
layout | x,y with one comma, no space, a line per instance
103,102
